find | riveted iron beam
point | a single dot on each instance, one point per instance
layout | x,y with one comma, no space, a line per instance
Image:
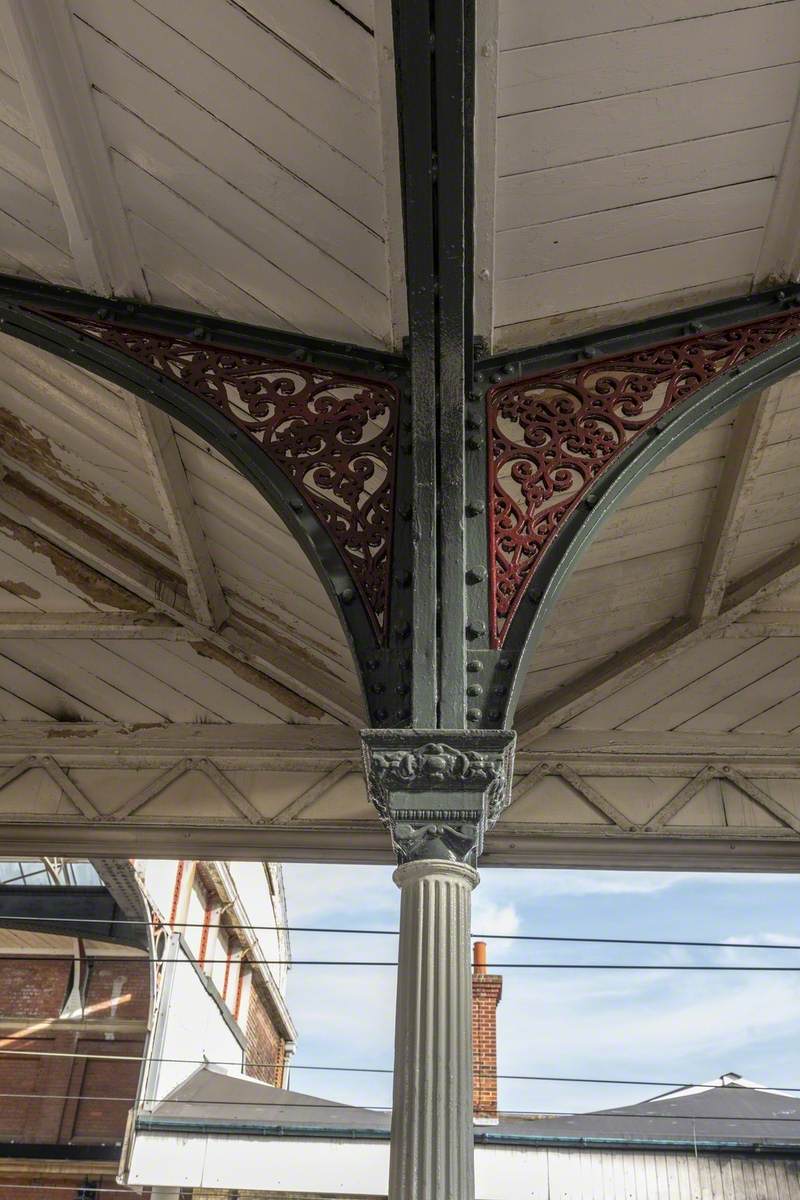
636,335
199,327
434,52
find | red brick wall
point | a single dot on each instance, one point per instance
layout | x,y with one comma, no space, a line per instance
264,1044
57,1096
486,992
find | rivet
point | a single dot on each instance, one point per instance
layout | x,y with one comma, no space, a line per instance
403,579
471,423
534,596
403,714
474,665
402,630
296,505
476,574
377,689
475,508
473,443
405,513
735,371
509,369
198,333
504,664
497,377
402,689
102,314
373,664
493,714
381,714
474,689
696,327
591,500
499,690
473,714
347,596
476,629
591,352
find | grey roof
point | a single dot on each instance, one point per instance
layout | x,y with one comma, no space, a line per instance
725,1111
213,1097
728,1112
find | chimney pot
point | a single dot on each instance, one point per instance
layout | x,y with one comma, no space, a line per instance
479,958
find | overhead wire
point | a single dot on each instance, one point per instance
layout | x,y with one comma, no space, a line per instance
327,929
332,1068
382,962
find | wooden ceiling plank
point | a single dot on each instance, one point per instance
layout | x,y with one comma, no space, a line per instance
95,625
746,665
749,438
667,116
645,655
619,181
526,24
300,688
633,61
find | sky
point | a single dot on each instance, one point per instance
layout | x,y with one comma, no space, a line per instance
668,1027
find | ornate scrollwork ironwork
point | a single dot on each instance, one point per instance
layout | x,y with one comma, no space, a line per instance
333,436
553,435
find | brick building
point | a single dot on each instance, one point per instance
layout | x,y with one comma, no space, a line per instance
174,972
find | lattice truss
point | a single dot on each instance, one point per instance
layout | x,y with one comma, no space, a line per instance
548,794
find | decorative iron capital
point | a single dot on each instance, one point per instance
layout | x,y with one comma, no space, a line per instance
438,791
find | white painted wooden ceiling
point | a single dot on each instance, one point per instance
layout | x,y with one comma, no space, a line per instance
632,158
646,158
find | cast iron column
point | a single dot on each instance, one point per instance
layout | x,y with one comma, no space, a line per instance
437,792
432,1138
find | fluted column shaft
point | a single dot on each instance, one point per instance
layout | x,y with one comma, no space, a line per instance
432,1132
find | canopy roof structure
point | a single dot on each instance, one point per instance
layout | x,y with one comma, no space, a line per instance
171,660
421,368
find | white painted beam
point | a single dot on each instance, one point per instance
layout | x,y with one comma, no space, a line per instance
779,258
486,74
393,199
325,748
160,448
45,52
742,463
304,690
120,626
643,656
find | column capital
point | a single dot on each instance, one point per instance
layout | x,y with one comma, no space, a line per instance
438,790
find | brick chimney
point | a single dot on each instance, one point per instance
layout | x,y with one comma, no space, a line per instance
486,993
